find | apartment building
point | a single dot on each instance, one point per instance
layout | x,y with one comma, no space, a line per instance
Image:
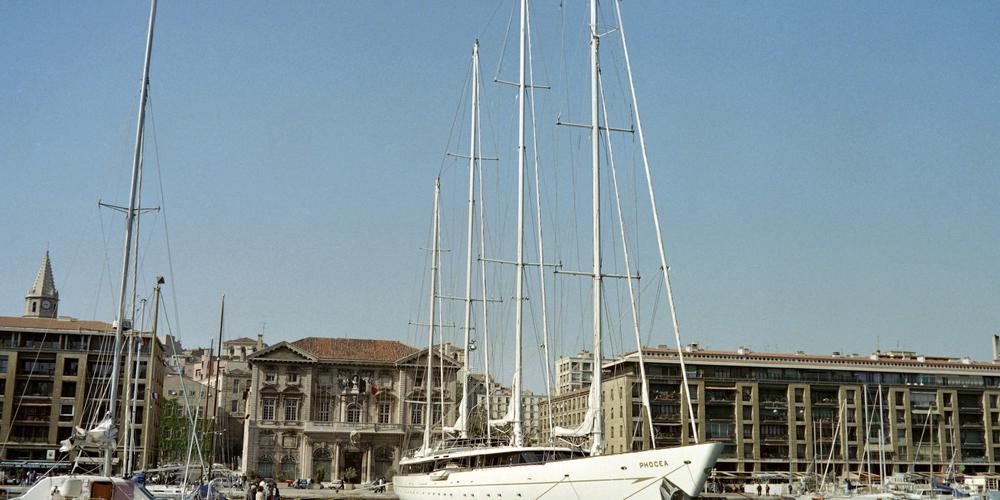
55,374
782,412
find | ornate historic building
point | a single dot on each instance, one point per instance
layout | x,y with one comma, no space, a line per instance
323,406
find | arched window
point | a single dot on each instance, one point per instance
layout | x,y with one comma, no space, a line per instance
265,467
383,460
288,467
354,413
321,463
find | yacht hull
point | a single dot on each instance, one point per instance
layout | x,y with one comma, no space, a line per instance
653,474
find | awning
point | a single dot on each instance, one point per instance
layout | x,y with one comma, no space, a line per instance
35,464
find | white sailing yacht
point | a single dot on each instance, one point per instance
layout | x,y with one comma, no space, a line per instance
106,486
487,469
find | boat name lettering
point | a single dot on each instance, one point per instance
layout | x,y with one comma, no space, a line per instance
652,464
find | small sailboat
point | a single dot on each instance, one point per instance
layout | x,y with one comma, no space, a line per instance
106,486
482,468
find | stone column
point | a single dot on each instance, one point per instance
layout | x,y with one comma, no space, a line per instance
335,473
368,463
305,451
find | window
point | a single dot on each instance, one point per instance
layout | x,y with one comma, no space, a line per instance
435,413
68,389
66,411
323,411
292,409
416,414
236,386
799,394
270,377
268,410
383,413
293,377
71,367
354,413
235,406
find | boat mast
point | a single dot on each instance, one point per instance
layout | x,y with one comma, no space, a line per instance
463,407
519,300
129,218
215,400
597,446
486,323
430,332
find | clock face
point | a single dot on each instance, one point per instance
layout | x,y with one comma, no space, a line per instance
46,304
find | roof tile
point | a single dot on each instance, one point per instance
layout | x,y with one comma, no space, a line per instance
355,349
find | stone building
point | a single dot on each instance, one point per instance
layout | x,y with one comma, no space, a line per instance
230,371
574,372
781,412
322,406
54,375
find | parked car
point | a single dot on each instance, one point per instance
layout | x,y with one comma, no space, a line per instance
336,484
302,484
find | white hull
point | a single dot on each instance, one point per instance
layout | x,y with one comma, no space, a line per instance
651,474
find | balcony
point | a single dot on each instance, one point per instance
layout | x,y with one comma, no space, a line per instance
314,426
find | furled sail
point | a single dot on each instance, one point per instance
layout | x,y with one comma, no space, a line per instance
589,419
509,416
104,435
460,422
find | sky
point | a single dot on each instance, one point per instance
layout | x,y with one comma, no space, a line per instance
826,173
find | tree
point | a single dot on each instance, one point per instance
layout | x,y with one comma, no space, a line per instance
350,474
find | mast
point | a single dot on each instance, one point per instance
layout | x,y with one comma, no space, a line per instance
597,447
486,323
218,369
152,335
463,407
430,332
135,337
130,218
515,399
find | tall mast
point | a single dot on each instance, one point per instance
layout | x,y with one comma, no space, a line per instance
429,377
486,323
595,140
519,300
463,407
218,370
129,218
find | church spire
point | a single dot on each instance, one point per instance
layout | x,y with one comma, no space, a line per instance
42,299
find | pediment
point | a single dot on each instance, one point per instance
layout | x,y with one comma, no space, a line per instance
419,358
282,351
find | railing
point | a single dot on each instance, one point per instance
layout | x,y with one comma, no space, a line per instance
313,426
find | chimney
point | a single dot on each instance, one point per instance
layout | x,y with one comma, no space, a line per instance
260,340
996,347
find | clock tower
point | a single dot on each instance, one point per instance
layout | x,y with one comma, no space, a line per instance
42,300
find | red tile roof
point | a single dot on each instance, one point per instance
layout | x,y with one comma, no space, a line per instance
15,322
354,349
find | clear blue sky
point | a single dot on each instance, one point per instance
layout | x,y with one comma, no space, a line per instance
828,172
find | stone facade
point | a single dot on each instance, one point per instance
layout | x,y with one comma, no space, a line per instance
323,404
